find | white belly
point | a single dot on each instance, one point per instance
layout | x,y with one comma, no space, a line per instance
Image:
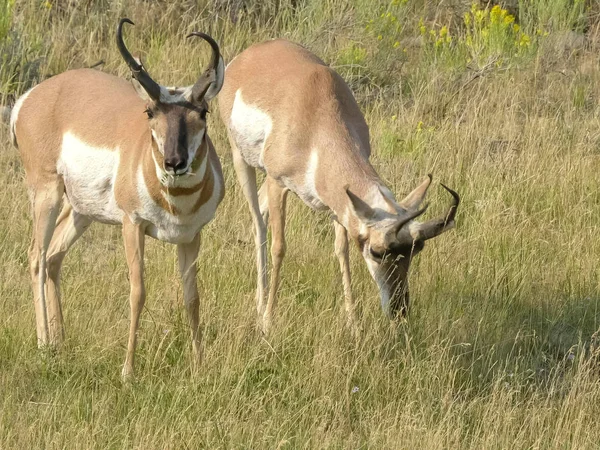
250,127
89,175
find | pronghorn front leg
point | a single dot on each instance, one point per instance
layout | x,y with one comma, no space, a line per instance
277,197
342,253
133,238
188,255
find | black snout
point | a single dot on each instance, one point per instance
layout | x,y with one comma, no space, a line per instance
398,308
176,163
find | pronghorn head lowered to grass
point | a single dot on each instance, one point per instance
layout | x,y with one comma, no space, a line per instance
293,117
389,237
138,156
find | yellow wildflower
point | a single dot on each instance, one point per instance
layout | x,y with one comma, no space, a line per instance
524,41
480,16
396,44
422,27
496,14
379,38
47,4
467,19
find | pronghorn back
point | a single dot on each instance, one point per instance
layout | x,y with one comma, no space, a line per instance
281,102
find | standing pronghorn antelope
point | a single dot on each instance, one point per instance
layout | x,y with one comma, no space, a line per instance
136,155
290,115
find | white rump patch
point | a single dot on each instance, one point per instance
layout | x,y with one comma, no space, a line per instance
250,127
89,175
15,114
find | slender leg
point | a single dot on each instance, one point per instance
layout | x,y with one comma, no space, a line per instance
341,251
277,197
46,204
69,227
133,238
263,202
247,178
187,255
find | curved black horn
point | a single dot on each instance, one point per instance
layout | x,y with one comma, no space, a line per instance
210,74
411,216
138,71
436,227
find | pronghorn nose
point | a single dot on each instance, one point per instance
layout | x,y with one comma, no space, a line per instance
176,164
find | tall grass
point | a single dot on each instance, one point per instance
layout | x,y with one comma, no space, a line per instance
500,349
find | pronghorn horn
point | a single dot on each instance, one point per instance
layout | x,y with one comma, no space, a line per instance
436,227
210,82
138,71
407,218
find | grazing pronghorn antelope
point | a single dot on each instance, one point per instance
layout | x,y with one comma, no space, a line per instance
136,155
290,115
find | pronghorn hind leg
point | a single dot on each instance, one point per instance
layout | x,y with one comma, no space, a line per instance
263,202
277,197
247,179
69,227
188,255
46,204
133,238
343,255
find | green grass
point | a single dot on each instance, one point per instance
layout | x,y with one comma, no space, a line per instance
499,350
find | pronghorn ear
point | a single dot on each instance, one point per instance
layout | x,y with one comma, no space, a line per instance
217,84
413,200
362,210
141,91
209,84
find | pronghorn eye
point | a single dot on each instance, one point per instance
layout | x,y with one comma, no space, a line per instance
375,254
149,113
203,114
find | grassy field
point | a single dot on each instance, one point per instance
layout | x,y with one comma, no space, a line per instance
500,349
